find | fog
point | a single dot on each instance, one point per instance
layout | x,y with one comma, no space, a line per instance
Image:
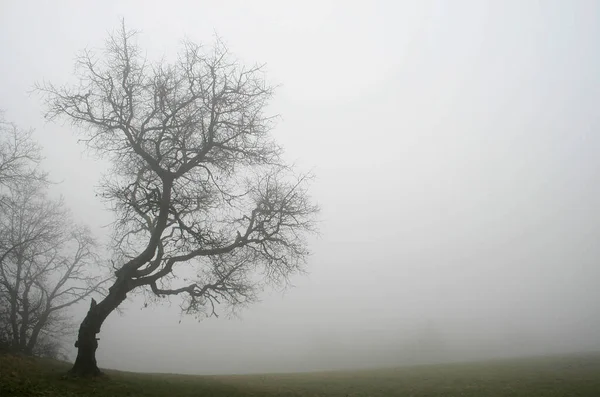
457,152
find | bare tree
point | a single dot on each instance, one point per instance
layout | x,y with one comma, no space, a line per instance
205,206
47,263
20,156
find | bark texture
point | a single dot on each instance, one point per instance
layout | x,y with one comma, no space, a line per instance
87,343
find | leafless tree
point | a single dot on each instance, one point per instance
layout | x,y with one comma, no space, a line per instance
206,207
47,263
20,156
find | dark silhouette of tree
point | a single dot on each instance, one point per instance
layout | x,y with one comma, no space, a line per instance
205,206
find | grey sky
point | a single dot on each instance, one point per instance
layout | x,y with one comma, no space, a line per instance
457,150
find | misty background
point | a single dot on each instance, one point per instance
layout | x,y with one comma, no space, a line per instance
457,153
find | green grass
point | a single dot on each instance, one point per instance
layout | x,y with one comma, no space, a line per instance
551,376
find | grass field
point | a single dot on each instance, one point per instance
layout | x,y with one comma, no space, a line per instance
551,376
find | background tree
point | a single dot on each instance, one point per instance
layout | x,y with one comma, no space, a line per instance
19,165
47,263
20,156
205,206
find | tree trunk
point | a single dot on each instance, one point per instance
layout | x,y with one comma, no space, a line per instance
87,343
36,332
24,324
13,321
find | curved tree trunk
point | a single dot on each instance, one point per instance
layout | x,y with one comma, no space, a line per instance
87,343
31,343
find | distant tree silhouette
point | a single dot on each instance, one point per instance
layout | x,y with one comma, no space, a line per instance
206,208
45,259
20,157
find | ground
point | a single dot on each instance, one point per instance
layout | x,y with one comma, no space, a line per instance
576,375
